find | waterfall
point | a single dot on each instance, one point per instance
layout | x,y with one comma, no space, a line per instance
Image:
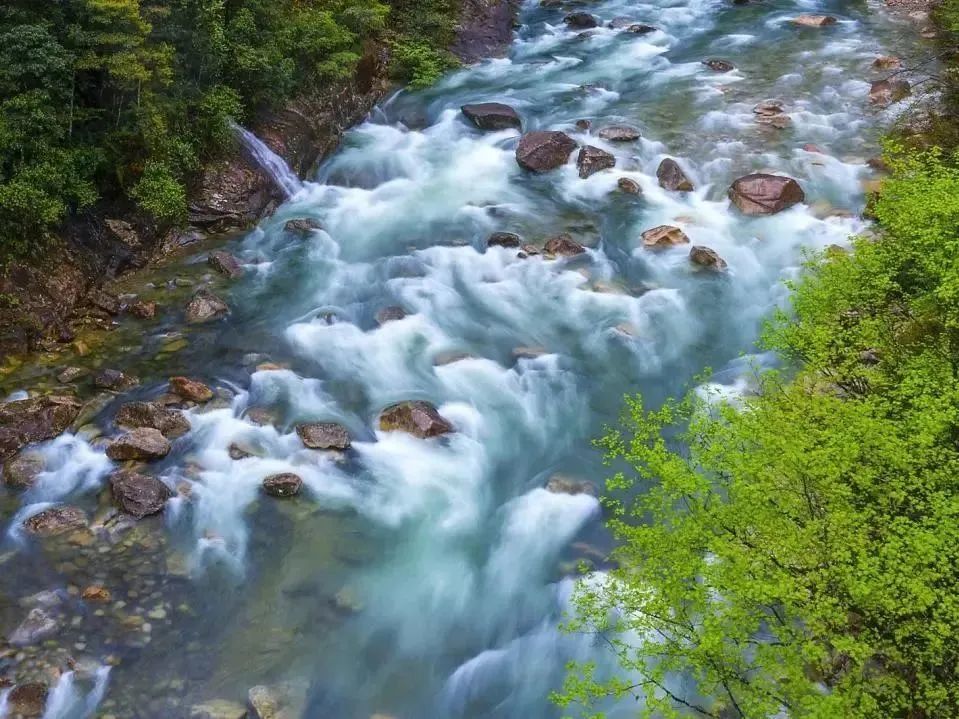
68,701
269,162
4,704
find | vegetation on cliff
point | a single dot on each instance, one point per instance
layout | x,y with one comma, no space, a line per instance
107,100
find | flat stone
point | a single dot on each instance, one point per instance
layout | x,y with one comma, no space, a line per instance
664,236
282,485
139,495
563,484
619,133
28,700
169,422
225,263
144,443
70,374
190,389
56,521
416,417
218,709
492,116
814,20
324,435
143,310
641,29
563,245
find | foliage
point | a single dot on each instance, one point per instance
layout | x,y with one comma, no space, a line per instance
798,553
419,64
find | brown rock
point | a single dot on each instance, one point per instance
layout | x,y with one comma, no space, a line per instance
225,263
324,435
33,420
390,314
97,593
706,258
887,62
204,307
592,159
563,245
562,484
114,379
302,226
763,194
415,417
583,125
619,133
169,422
56,521
629,186
285,484
22,470
671,177
813,20
886,92
544,150
138,494
772,112
718,65
143,310
27,701
492,116
664,236
504,239
580,20
190,389
144,443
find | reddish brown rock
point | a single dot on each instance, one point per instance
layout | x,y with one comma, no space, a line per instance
887,62
492,116
664,236
22,470
504,239
97,594
138,494
629,186
592,159
415,417
145,443
324,435
813,20
563,246
671,177
190,389
886,92
706,258
763,194
283,485
544,150
143,310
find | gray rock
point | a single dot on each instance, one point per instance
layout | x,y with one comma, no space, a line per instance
56,521
169,422
593,159
114,379
717,65
580,20
38,625
225,263
619,133
143,443
706,258
389,314
138,494
22,470
324,435
492,116
205,307
504,239
562,484
302,226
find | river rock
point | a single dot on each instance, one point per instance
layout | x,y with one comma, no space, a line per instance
204,307
190,389
144,443
218,709
21,471
390,314
664,236
114,379
886,92
641,29
143,310
813,20
717,65
671,177
416,417
70,374
504,239
324,435
706,258
562,484
138,494
225,263
302,226
34,420
282,485
169,422
619,133
563,246
773,113
580,21
492,116
629,186
544,150
96,593
38,625
55,521
887,62
27,700
764,194
592,159
269,703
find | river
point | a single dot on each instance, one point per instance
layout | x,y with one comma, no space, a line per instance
423,578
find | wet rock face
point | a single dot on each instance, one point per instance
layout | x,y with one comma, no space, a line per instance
324,435
763,194
34,420
592,159
115,380
563,246
492,116
619,133
706,258
190,389
28,700
169,422
22,470
664,236
504,239
56,521
886,92
138,494
205,307
285,484
302,226
580,21
416,417
144,443
671,177
225,263
544,150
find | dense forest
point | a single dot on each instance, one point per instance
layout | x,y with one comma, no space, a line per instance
794,551
126,99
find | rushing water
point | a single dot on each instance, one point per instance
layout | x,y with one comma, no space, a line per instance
425,578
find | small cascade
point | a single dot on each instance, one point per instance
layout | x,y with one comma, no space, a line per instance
271,163
4,704
73,698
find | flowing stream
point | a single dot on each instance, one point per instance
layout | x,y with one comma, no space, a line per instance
426,578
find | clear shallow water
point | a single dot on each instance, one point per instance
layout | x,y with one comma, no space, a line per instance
426,578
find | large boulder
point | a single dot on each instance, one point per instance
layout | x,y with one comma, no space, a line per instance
138,494
190,389
22,470
544,150
282,485
580,21
813,20
169,422
664,236
619,133
225,263
27,700
55,521
205,307
563,246
706,258
886,92
764,194
671,176
592,159
324,435
492,116
34,420
416,417
144,443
